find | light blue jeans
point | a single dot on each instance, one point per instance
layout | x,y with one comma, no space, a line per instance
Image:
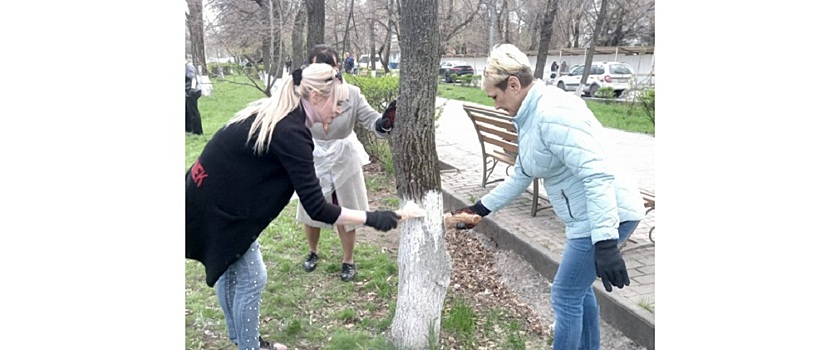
240,291
572,296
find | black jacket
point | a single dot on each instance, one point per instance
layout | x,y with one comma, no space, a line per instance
232,194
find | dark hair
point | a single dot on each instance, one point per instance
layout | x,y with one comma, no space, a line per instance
323,54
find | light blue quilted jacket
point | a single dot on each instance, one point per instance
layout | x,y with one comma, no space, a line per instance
559,141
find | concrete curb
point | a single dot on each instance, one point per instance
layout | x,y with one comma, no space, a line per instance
636,323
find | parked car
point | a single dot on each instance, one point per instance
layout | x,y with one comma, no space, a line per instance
363,61
458,70
447,64
616,75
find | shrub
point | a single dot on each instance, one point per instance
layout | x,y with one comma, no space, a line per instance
605,92
646,99
378,91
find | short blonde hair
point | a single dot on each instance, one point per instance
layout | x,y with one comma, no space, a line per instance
269,111
504,61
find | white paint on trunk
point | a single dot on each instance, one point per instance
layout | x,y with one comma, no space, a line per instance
423,276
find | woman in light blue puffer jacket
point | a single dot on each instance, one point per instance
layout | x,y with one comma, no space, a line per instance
558,142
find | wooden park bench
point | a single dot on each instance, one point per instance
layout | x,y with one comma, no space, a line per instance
649,203
498,139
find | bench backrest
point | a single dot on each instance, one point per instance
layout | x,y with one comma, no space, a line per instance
495,129
648,199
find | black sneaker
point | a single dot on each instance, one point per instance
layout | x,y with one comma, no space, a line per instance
311,262
264,345
347,272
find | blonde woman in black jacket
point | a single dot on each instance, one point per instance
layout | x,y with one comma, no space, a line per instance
244,178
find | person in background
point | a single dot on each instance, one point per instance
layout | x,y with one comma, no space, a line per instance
246,175
348,64
339,161
193,90
288,64
559,142
554,69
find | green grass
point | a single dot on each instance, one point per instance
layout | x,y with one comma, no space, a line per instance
462,93
227,98
647,305
626,117
459,321
622,116
313,310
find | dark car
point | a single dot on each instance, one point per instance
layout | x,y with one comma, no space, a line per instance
447,64
459,70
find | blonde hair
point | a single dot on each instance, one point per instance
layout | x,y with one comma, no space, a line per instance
269,111
504,61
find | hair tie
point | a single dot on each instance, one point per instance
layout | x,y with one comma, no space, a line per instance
297,76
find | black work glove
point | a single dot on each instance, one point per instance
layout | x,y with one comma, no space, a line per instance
610,265
387,121
383,220
478,209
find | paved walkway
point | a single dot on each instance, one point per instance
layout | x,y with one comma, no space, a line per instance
541,239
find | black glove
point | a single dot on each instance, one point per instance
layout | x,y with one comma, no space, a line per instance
384,220
478,209
387,121
610,265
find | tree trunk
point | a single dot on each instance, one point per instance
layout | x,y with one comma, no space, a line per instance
372,51
196,28
506,13
576,32
423,262
545,37
587,67
316,24
385,57
349,19
298,56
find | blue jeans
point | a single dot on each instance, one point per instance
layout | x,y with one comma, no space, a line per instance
240,291
572,296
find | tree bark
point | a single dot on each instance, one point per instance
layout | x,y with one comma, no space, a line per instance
423,261
545,37
349,19
371,23
587,67
316,24
298,56
196,29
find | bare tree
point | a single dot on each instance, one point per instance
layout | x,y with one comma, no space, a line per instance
316,12
253,30
587,67
545,37
423,261
453,23
349,19
628,22
370,22
196,29
298,46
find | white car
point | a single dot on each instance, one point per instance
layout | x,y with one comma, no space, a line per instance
616,75
363,61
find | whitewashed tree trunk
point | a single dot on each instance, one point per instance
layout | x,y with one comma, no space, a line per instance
423,277
423,262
